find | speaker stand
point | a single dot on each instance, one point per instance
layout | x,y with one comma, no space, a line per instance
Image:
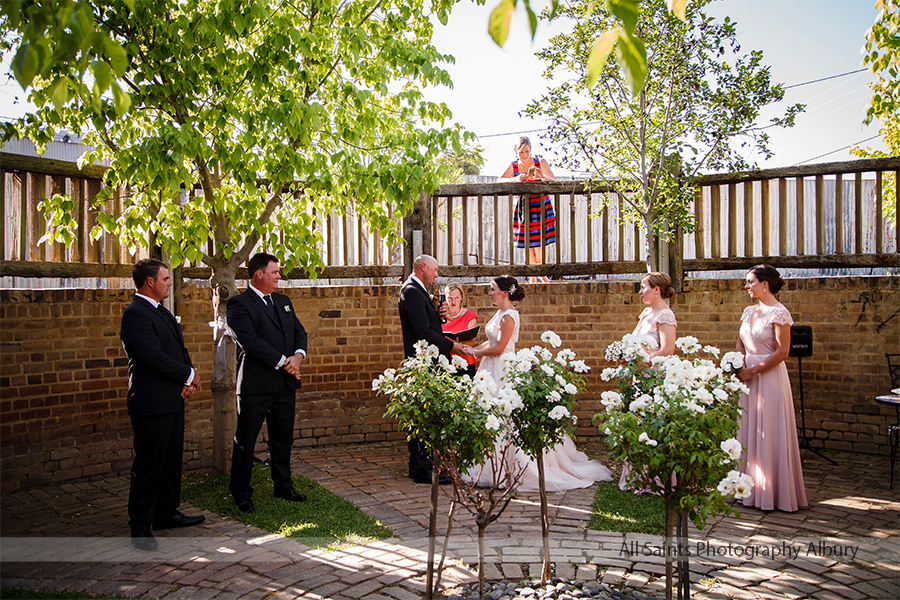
804,441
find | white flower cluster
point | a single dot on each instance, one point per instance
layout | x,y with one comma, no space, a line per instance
631,346
549,337
736,484
611,400
732,361
688,344
385,381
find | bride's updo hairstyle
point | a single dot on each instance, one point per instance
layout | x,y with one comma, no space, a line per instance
769,274
509,284
661,281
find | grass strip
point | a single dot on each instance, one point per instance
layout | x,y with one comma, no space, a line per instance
627,512
324,520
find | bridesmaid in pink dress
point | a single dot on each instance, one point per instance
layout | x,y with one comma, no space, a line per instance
768,429
658,321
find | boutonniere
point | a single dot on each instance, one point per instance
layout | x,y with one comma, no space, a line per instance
287,308
178,319
431,296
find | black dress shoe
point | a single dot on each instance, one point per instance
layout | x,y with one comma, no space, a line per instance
143,540
179,520
291,495
246,505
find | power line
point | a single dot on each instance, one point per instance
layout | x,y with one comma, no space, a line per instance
838,150
787,87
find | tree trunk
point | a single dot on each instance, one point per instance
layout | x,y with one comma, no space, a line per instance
223,376
432,526
545,519
652,243
684,571
482,524
670,522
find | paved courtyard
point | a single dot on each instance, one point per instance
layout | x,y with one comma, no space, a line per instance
845,545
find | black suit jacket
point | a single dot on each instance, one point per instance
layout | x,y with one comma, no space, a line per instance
419,320
158,362
262,341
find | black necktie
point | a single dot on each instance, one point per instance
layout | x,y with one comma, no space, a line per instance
271,305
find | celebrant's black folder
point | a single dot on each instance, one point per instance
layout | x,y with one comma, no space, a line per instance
462,336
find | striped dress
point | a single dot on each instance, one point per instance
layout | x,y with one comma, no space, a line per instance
534,216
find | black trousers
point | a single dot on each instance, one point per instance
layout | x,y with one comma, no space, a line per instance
277,410
155,491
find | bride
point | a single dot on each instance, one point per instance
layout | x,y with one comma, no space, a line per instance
565,468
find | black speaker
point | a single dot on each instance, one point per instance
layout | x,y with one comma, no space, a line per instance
801,341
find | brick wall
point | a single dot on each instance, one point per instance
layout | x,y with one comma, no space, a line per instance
63,373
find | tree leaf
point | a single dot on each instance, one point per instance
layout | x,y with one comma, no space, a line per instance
121,99
597,58
25,64
626,11
59,93
633,60
498,24
118,58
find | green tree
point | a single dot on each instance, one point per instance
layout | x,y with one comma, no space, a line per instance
881,53
468,160
697,110
271,110
621,36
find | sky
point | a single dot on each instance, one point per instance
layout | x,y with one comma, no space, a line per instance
802,40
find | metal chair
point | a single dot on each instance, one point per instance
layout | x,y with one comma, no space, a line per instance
893,361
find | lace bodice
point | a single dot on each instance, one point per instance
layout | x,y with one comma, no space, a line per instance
757,331
492,329
648,322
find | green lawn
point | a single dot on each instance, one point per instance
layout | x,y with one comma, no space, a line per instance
627,512
325,520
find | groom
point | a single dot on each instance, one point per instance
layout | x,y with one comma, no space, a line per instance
420,321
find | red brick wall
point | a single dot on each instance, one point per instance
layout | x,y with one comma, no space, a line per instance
63,374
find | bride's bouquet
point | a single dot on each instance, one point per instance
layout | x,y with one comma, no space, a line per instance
676,414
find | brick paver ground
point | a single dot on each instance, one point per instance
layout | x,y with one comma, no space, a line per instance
845,545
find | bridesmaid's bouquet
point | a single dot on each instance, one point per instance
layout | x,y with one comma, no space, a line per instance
676,415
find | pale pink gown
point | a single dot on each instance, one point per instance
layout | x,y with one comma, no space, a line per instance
565,468
648,324
768,428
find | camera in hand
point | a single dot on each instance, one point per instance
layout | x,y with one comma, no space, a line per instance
442,299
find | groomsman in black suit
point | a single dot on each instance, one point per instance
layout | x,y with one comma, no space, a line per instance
160,377
419,320
271,347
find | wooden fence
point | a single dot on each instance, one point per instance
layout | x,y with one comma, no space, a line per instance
817,216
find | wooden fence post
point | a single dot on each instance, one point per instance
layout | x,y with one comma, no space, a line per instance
418,219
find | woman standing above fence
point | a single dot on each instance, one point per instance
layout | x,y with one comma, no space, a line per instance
531,168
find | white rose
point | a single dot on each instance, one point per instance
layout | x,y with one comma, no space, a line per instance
558,412
548,370
549,337
732,448
571,389
492,423
646,439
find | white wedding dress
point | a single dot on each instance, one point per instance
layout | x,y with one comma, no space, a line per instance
565,468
